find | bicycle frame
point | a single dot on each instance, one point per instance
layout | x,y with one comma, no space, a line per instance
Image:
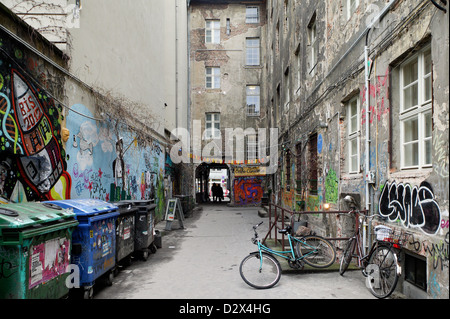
359,253
360,249
284,253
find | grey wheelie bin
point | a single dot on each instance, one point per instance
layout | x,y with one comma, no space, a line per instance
35,243
145,225
125,232
94,241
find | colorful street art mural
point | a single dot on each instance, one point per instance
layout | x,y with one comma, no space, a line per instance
32,161
101,158
247,190
111,169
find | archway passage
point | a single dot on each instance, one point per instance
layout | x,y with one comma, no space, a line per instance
208,175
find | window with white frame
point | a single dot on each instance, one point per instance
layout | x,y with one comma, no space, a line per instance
252,147
212,127
212,77
353,135
253,100
212,31
312,36
252,14
416,111
252,51
299,59
287,87
351,7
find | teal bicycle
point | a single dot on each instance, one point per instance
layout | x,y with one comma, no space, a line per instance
262,270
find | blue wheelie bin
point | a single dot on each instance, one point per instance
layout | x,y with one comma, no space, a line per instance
93,241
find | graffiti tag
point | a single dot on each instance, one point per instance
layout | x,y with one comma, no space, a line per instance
414,206
247,190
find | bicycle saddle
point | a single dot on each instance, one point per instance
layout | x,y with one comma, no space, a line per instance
286,230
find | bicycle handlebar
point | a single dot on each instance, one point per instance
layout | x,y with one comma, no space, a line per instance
256,226
255,239
357,211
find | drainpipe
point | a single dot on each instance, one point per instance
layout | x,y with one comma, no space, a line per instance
368,177
367,157
176,65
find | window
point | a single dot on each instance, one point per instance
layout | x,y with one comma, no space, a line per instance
286,16
253,100
252,14
213,78
252,51
298,168
313,164
416,271
312,36
287,87
288,170
351,7
212,32
252,147
416,111
299,58
212,125
353,110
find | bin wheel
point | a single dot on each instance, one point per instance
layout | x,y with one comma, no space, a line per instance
109,278
145,255
88,293
153,248
127,261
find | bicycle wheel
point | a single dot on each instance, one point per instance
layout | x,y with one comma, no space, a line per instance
316,251
260,274
382,271
347,255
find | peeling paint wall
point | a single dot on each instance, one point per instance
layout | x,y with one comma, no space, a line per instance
317,105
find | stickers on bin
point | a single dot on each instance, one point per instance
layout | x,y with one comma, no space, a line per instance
48,260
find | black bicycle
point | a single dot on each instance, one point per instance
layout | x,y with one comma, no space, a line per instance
381,264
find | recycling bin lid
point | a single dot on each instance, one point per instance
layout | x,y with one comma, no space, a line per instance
87,207
144,203
22,215
126,207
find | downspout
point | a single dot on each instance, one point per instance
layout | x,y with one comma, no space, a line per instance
176,64
368,175
188,10
367,147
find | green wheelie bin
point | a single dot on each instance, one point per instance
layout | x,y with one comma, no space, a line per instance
35,244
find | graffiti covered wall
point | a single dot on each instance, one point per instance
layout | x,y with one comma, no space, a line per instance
112,165
247,190
32,163
102,157
416,210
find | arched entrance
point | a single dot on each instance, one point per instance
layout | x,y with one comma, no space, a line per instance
208,174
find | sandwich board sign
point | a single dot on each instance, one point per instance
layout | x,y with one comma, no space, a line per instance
174,211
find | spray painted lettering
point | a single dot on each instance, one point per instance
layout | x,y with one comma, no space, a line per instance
414,206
